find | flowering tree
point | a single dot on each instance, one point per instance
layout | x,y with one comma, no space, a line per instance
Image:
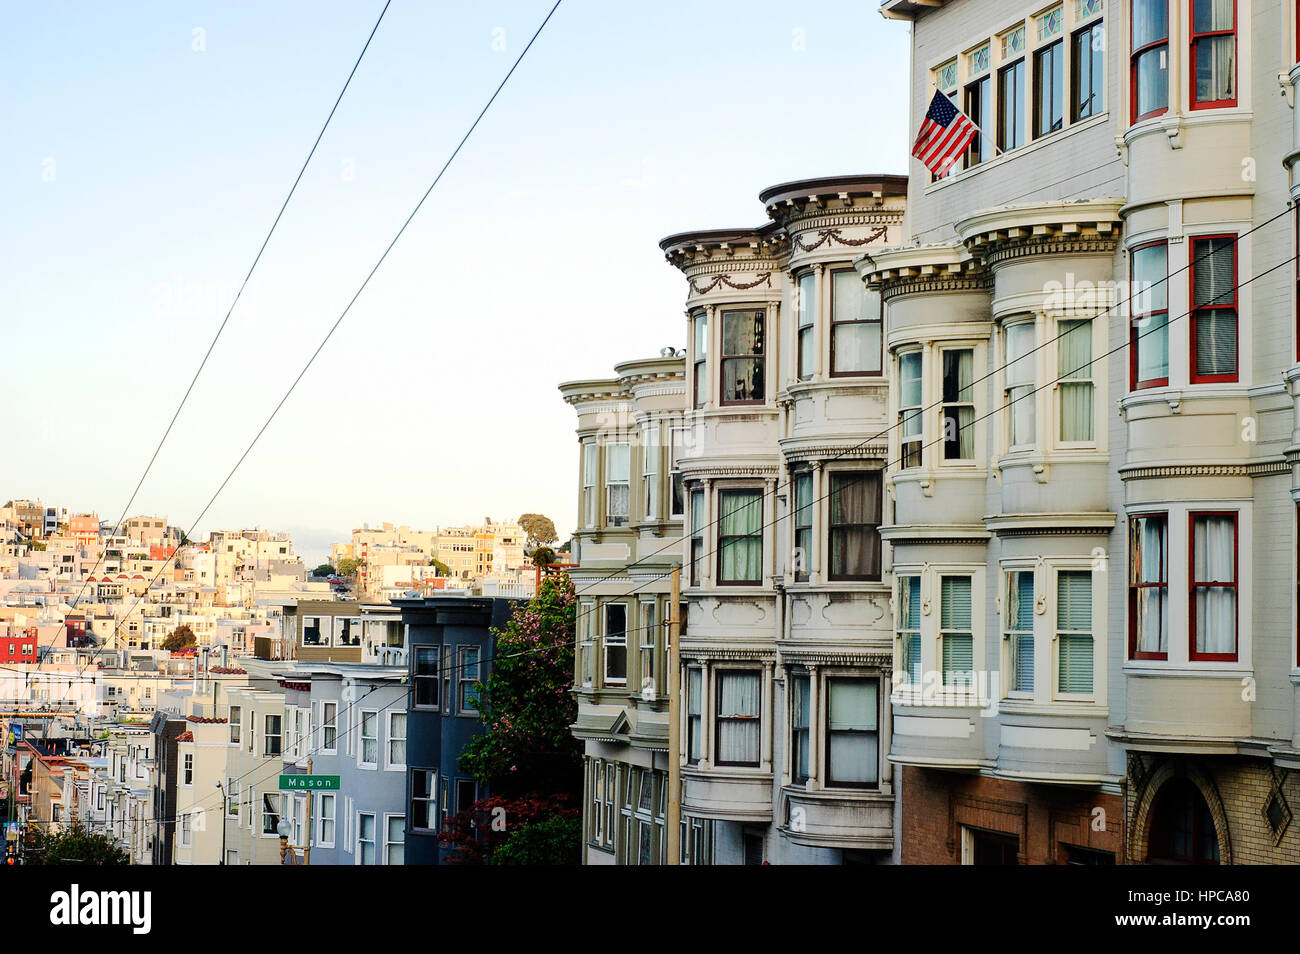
531,829
527,702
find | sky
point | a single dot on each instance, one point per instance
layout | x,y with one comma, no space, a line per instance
148,146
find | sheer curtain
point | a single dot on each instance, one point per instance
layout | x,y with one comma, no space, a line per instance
738,717
855,519
1215,55
1076,386
959,430
742,529
1214,561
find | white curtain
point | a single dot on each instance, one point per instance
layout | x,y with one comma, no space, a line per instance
1076,394
1214,561
742,522
738,716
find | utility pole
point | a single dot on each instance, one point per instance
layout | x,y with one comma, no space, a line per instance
674,819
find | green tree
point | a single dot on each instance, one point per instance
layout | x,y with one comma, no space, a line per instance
543,556
555,841
442,568
323,570
527,704
348,567
181,637
73,846
540,529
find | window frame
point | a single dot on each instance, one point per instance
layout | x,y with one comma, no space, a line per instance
321,818
1135,383
694,718
1002,72
1011,636
761,356
362,739
1088,377
909,412
388,842
1133,587
650,446
429,800
1193,38
806,331
268,735
1137,52
359,842
700,358
1058,644
828,778
1056,50
836,323
330,723
1088,27
869,477
235,719
419,678
971,685
1009,405
390,764
801,553
904,635
1194,310
723,493
719,719
1193,585
616,642
945,406
612,520
464,682
800,730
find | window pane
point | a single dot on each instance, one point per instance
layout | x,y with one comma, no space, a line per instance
738,717
909,374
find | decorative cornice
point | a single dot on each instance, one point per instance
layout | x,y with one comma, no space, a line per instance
793,654
1049,524
705,653
712,471
764,278
835,237
878,452
997,254
1266,468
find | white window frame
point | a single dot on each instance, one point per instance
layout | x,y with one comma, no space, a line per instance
362,738
605,641
389,764
650,470
329,723
430,800
359,841
322,819
187,770
590,479
388,817
1032,359
611,483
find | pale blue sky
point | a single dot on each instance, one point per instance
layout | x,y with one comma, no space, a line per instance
138,177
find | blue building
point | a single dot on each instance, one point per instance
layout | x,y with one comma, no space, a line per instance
449,647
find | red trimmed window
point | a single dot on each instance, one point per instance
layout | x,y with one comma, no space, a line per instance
1214,308
1212,582
1148,586
1148,59
1214,53
1148,267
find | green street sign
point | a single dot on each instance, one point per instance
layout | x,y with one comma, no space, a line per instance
304,783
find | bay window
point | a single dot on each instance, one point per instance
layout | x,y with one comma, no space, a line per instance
1074,631
1213,609
740,536
956,635
1214,308
854,525
910,402
803,517
700,327
615,644
1214,53
1149,313
1148,588
958,404
852,732
1049,79
742,357
1149,58
909,627
738,716
618,463
1011,106
800,726
1019,395
1019,631
1088,72
855,326
1074,380
807,318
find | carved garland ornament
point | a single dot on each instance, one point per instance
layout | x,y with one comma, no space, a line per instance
726,280
835,237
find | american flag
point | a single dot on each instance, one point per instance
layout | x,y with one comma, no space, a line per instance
945,132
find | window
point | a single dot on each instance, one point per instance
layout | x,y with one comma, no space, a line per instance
1011,106
1074,631
397,740
615,644
742,357
618,460
852,732
807,314
1088,67
467,793
740,536
738,717
394,839
803,518
649,650
701,328
424,665
326,808
1074,380
909,407
1019,394
1049,82
270,813
186,828
694,713
800,699
272,736
855,525
1020,629
586,646
909,627
313,633
979,107
602,803
232,797
424,804
1148,587
650,469
677,506
1149,306
958,404
589,471
1214,308
1213,610
448,700
365,853
468,676
187,777
329,726
855,326
697,535
369,752
1149,58
1214,53
955,633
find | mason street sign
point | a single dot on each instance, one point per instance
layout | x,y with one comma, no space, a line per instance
315,783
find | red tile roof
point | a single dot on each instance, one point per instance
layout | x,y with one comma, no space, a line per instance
204,720
228,671
185,737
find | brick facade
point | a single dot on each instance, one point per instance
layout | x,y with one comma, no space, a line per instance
936,804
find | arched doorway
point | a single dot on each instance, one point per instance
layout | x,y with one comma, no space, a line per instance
1182,827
